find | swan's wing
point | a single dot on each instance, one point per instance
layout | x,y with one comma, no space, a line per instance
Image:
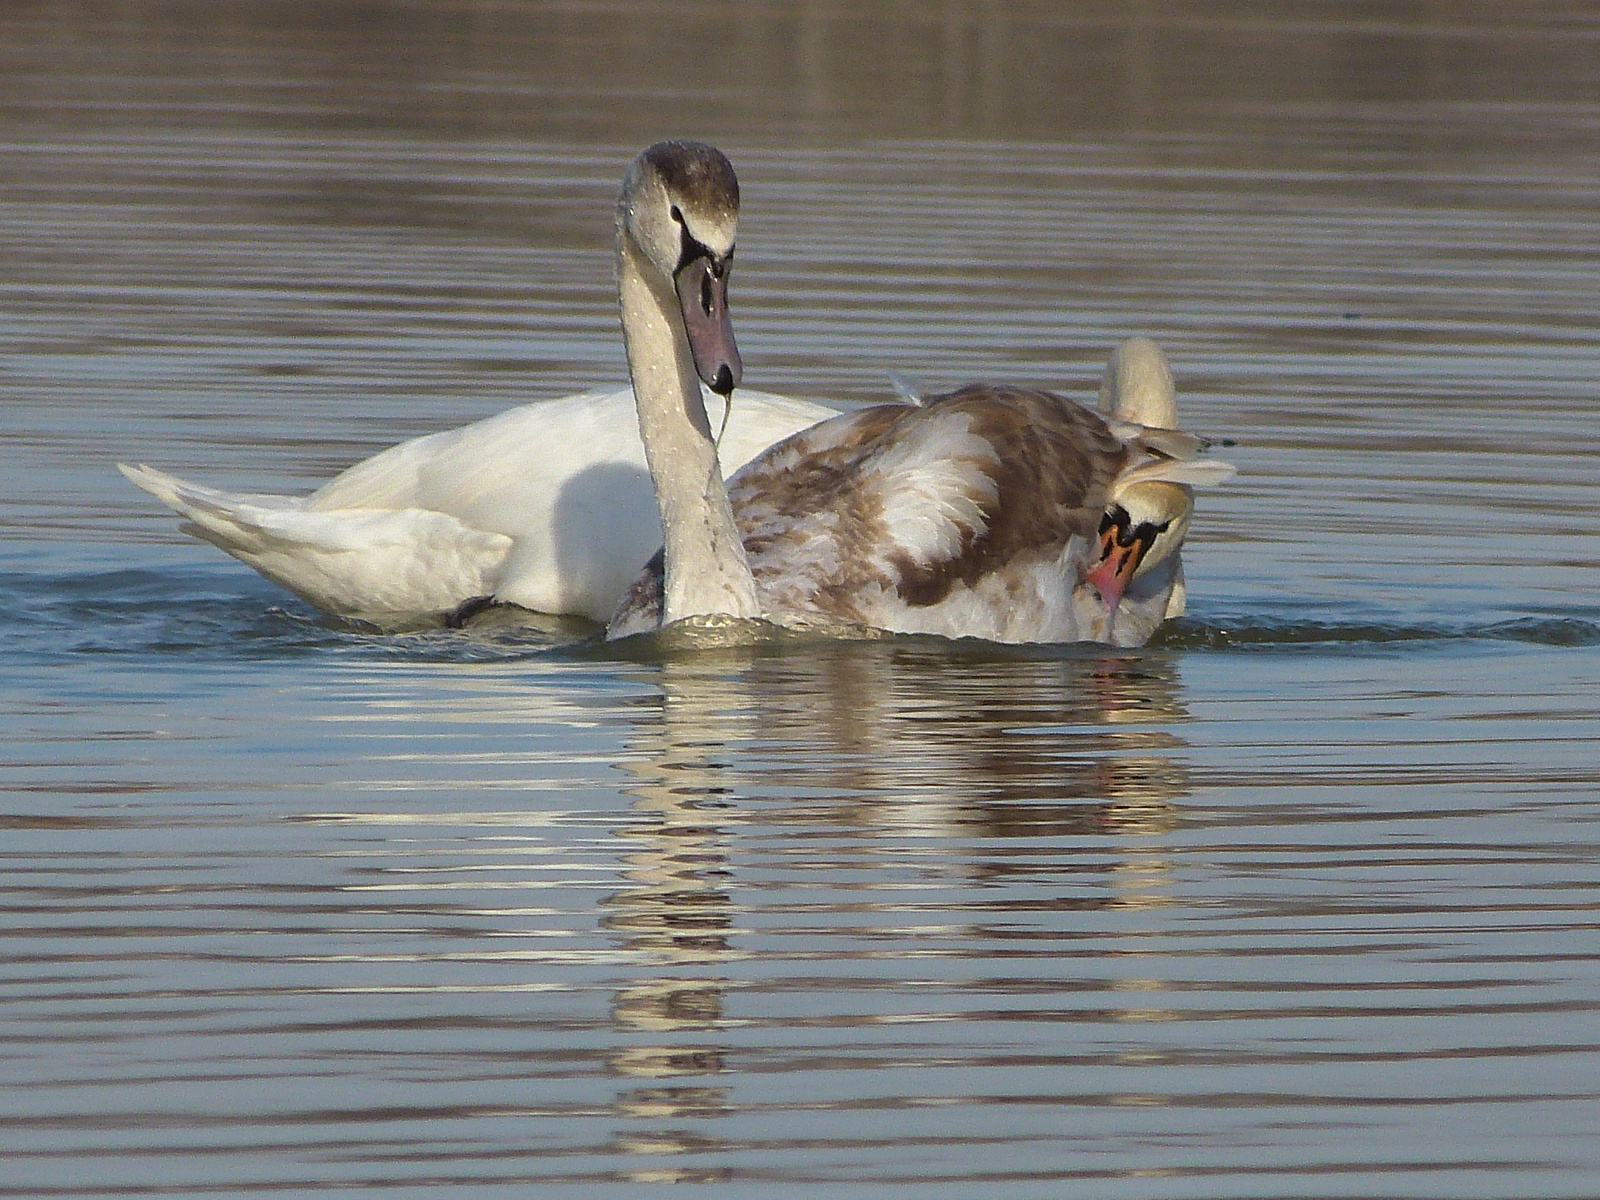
562,481
897,505
486,472
1170,455
385,566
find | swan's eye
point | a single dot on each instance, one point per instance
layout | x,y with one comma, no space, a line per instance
677,214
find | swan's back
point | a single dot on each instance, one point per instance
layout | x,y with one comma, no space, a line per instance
489,472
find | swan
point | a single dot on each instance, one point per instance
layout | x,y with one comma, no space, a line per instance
547,506
994,512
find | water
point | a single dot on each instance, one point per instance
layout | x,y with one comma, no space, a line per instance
1300,900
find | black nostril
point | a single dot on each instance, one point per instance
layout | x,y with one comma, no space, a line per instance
723,384
707,297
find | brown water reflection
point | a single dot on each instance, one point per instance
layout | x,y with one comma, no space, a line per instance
843,754
891,737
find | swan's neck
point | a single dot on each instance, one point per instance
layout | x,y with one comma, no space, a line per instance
706,569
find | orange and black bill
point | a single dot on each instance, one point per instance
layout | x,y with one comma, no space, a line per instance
1123,546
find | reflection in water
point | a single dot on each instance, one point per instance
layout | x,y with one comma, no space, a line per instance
677,914
850,750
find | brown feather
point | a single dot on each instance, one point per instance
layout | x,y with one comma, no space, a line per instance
1051,467
1035,472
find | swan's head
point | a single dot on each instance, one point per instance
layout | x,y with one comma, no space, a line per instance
1138,386
680,204
1143,526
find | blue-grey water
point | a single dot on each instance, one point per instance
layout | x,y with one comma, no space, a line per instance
1301,900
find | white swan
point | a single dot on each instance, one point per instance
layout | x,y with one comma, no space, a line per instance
1002,513
547,506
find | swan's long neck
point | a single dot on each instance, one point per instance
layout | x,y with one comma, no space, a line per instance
706,569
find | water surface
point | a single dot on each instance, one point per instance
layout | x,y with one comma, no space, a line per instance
1300,900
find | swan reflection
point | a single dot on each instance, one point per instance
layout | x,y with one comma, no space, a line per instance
837,777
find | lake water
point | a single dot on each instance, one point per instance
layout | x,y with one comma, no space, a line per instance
1299,901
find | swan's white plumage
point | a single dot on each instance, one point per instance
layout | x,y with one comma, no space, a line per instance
547,506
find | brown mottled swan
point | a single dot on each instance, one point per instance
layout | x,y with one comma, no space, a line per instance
1001,513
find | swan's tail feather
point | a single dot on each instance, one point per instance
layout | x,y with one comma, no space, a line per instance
368,563
238,523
